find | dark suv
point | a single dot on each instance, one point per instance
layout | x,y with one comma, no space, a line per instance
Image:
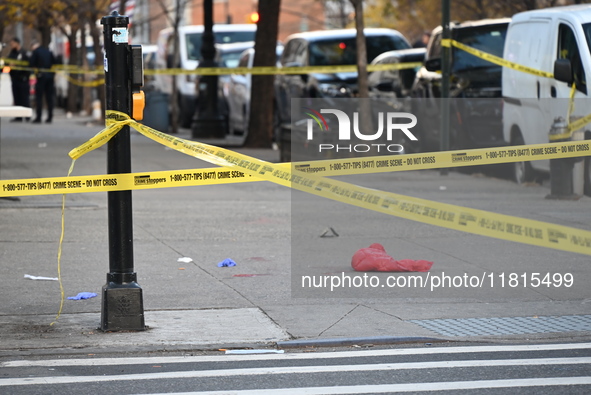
475,88
327,48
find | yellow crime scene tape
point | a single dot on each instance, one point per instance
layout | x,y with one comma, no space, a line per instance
439,214
311,178
305,177
67,70
282,70
58,68
12,62
325,168
495,59
70,69
83,83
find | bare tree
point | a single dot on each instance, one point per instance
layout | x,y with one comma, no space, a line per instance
80,16
260,125
69,23
73,99
94,13
122,7
413,17
337,13
362,84
361,50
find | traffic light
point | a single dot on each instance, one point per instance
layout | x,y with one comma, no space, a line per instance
253,17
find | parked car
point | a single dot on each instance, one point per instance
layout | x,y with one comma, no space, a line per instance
149,55
395,83
390,89
149,63
324,48
237,93
554,40
190,54
475,88
227,56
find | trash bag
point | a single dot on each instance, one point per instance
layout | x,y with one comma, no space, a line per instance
375,258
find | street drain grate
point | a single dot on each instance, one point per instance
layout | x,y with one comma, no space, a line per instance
506,325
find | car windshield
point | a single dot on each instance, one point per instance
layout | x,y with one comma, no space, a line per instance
587,30
490,39
230,59
344,51
194,41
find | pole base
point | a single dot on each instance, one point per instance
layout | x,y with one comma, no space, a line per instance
122,308
561,180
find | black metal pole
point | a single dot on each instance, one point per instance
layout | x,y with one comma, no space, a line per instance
445,76
122,307
208,121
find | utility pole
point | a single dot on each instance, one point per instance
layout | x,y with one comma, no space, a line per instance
122,303
208,121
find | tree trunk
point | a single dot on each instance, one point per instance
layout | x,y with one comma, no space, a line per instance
362,85
122,6
260,125
45,31
3,24
86,99
361,50
174,102
98,58
73,97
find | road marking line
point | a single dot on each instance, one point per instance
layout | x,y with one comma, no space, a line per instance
294,370
295,356
408,387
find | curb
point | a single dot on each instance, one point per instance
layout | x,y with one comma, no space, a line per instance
350,341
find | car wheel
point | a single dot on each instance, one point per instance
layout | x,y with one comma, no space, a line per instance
522,171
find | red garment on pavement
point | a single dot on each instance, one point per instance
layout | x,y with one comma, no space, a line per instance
374,258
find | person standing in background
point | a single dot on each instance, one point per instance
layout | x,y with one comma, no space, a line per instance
19,78
42,59
423,41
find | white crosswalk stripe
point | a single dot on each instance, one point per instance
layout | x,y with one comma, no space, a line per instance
517,366
408,387
297,356
297,370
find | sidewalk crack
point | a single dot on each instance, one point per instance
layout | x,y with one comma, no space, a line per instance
383,312
201,268
339,320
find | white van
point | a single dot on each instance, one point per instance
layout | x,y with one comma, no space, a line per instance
555,40
190,53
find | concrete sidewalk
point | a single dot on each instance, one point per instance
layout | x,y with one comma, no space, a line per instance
265,228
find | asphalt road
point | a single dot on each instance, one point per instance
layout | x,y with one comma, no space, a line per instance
483,369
